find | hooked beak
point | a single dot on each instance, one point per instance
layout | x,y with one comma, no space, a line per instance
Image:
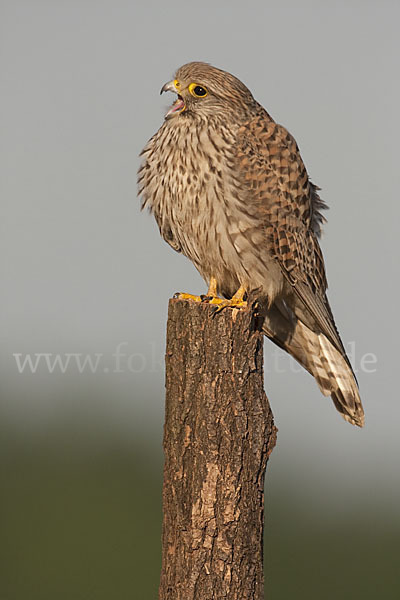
169,87
179,104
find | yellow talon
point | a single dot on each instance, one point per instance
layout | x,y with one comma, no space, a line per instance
188,297
211,298
235,302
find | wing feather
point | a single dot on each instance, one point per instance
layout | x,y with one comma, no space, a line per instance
289,207
276,183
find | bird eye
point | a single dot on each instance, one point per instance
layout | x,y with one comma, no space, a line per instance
198,91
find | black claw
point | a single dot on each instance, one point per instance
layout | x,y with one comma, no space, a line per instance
176,295
214,312
205,298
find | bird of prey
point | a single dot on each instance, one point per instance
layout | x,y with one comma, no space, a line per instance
228,189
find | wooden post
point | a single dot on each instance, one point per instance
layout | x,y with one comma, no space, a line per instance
218,435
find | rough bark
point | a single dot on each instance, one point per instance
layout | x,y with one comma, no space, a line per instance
217,438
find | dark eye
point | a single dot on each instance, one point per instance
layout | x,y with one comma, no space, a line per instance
197,90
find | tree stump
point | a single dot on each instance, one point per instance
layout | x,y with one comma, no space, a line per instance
218,435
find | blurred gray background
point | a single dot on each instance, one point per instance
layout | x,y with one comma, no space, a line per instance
85,273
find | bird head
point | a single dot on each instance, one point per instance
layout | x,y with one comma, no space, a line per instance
205,90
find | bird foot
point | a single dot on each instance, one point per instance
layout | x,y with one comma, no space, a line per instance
211,298
220,303
231,303
236,301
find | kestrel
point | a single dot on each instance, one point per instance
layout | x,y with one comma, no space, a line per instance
228,189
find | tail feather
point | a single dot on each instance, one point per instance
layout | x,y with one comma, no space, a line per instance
330,368
344,388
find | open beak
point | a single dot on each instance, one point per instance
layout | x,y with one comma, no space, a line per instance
179,104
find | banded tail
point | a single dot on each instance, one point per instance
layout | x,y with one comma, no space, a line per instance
330,367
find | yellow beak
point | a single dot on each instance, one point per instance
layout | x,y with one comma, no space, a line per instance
179,104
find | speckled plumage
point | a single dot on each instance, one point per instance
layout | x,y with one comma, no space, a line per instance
228,189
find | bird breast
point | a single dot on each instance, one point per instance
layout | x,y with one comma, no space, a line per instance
189,181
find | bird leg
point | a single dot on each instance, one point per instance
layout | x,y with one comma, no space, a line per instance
212,293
